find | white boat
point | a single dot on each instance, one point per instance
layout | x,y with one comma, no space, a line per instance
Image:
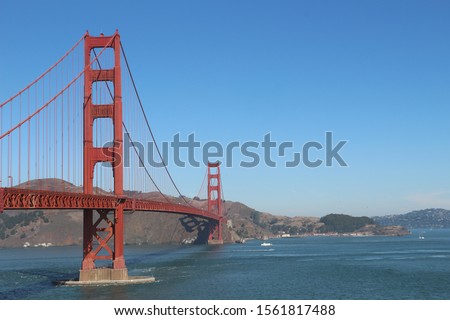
421,236
266,244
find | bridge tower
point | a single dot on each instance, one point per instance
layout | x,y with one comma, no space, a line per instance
103,236
215,202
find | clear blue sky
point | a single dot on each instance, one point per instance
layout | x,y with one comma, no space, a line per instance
375,73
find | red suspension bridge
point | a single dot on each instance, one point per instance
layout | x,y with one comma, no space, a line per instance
62,147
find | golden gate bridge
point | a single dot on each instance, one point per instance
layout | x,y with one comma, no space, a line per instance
62,147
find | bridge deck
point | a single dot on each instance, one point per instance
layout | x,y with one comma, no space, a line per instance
16,199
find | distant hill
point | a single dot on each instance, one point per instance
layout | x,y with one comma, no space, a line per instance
64,227
427,218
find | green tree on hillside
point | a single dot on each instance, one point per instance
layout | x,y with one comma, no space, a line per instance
342,223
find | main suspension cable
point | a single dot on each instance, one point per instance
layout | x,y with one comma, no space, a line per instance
46,72
149,128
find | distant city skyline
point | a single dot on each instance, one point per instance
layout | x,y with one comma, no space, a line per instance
375,74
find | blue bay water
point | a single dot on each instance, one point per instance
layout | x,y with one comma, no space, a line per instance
296,268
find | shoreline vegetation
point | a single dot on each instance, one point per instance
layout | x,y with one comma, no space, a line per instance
60,228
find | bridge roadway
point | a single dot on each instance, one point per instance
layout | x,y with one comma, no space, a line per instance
16,199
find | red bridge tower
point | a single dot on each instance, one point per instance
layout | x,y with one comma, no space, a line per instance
215,202
107,227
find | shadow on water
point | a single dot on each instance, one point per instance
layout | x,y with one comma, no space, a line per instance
159,254
173,266
192,224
